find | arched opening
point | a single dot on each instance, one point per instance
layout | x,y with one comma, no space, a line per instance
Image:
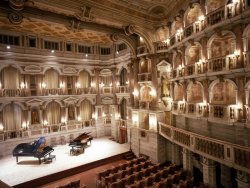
178,92
53,113
145,94
51,79
193,54
123,109
193,14
195,93
71,112
213,5
85,110
145,66
222,45
10,78
84,79
123,77
35,118
223,92
12,117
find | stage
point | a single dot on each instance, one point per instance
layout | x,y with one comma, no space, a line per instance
28,168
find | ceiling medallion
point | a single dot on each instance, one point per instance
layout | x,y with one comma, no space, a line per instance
15,17
16,4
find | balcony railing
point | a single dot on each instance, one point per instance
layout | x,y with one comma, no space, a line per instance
224,152
123,89
212,18
53,91
144,77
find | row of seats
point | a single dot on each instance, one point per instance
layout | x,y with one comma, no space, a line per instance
73,184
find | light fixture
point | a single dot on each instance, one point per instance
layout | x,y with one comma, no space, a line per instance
86,55
62,85
135,93
201,18
77,85
79,118
117,52
237,53
8,47
52,51
22,85
1,127
43,85
0,85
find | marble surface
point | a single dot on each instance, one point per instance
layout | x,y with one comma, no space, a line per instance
28,168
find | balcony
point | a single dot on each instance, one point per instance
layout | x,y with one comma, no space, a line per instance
224,152
55,91
144,77
122,89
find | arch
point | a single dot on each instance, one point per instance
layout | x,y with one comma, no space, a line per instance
53,112
192,14
195,92
178,92
87,70
130,42
85,110
212,5
191,57
223,92
144,65
51,78
57,101
10,78
55,68
176,24
177,59
80,101
12,116
216,44
146,93
123,108
131,29
162,34
84,79
246,38
22,106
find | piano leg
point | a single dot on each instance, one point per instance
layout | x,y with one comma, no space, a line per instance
16,159
39,160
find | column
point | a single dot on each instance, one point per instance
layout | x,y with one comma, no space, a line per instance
41,115
176,154
131,83
114,80
29,116
209,172
98,97
187,160
154,103
66,113
136,85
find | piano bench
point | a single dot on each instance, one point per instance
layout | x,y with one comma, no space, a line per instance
76,150
50,158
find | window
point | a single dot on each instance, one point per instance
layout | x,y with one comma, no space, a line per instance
51,45
122,47
190,108
68,47
32,42
105,51
12,40
84,49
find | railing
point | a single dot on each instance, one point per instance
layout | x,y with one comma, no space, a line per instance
80,91
107,89
212,18
225,152
123,89
54,91
11,92
144,77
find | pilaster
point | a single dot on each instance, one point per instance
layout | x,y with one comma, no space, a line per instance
209,172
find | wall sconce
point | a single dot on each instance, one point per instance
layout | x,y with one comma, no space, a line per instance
92,84
77,85
103,114
22,85
63,120
201,18
135,93
110,84
1,127
24,125
43,85
179,31
62,85
127,82
45,123
117,84
0,85
232,2
167,41
79,118
237,53
101,84
152,93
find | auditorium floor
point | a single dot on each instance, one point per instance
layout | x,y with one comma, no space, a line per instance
28,167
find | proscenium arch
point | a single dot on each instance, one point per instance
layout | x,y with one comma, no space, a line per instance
132,29
127,40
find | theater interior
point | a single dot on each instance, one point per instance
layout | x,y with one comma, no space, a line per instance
125,93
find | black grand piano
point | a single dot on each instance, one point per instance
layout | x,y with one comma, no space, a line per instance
79,143
31,150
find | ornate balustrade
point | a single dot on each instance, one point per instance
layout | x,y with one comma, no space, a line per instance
53,91
212,18
224,152
81,91
123,89
11,92
144,77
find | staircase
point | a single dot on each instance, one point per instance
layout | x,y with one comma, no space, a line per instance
129,155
